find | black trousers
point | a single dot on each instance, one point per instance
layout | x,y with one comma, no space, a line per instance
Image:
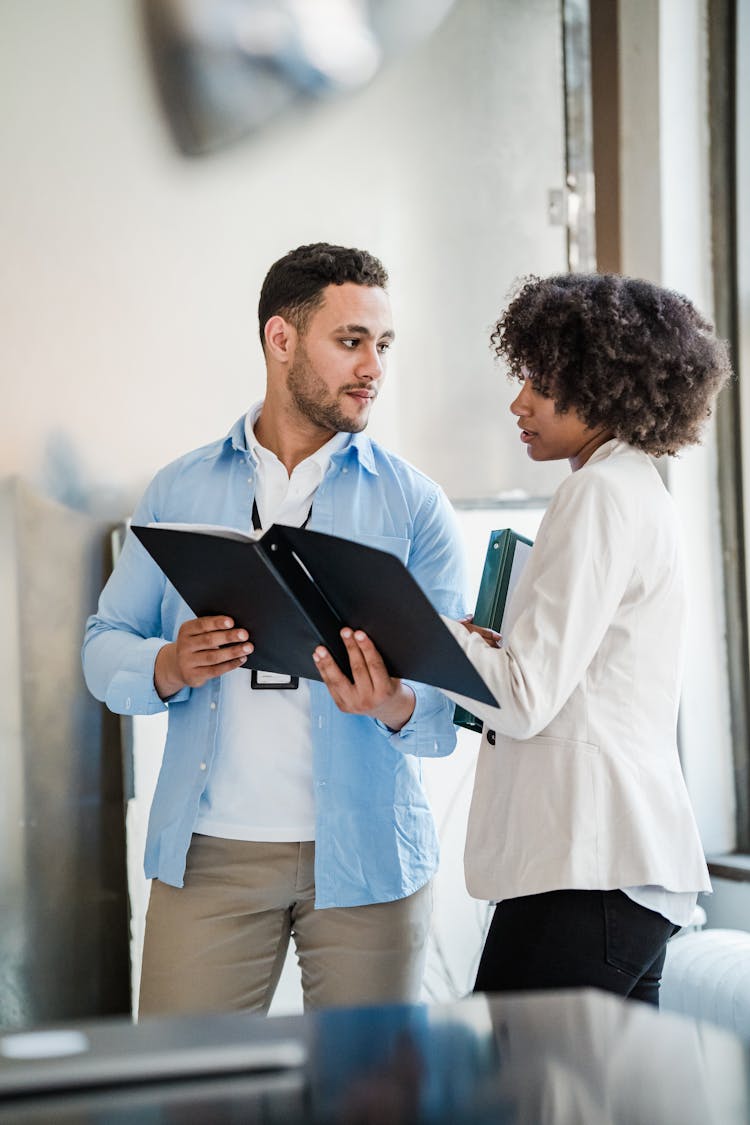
575,939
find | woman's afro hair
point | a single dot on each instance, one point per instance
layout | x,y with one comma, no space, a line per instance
625,355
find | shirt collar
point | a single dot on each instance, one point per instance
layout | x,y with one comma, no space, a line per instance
606,449
357,445
320,457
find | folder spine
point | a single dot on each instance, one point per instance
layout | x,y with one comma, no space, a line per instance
279,557
492,598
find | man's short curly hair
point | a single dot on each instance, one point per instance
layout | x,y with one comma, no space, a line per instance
293,287
625,355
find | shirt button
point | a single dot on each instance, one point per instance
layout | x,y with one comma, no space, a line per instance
128,703
203,765
344,470
213,705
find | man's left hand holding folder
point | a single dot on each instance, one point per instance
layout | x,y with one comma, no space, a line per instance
371,691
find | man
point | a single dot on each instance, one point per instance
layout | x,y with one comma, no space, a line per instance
278,811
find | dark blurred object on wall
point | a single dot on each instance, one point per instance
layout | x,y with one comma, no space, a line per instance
64,937
225,68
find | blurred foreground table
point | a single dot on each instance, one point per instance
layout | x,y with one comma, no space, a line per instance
581,1057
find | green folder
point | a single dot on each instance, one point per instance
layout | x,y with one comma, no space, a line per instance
507,552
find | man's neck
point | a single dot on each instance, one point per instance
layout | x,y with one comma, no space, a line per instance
290,440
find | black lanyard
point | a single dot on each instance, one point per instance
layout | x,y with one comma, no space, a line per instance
257,526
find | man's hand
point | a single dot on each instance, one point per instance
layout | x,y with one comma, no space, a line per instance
492,638
373,692
199,654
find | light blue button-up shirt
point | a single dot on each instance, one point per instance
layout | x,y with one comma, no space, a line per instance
375,835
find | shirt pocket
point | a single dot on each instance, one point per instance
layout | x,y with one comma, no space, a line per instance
393,544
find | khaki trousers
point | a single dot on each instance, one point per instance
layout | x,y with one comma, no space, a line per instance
219,943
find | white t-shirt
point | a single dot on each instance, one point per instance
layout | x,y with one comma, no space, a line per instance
260,786
676,906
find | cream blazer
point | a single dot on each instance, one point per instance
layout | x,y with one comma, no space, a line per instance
578,781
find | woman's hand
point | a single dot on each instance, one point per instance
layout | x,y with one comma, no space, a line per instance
371,691
493,639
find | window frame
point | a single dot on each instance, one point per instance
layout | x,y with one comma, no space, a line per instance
725,192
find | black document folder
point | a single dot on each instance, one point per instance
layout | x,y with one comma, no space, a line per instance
294,589
507,552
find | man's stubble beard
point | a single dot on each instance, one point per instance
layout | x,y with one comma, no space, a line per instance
313,400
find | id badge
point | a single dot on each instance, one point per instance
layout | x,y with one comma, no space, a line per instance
272,681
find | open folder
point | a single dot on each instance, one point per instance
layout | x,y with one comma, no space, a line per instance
294,589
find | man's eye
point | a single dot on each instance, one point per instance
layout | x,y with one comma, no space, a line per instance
384,345
350,343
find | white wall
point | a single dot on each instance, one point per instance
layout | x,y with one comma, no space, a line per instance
130,274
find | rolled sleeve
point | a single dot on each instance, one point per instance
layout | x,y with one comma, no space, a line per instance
128,694
438,563
430,732
123,638
119,670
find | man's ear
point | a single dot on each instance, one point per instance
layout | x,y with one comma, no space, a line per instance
280,337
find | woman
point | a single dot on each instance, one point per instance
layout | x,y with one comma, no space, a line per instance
580,826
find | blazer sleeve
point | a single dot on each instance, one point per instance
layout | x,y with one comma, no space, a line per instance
565,601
